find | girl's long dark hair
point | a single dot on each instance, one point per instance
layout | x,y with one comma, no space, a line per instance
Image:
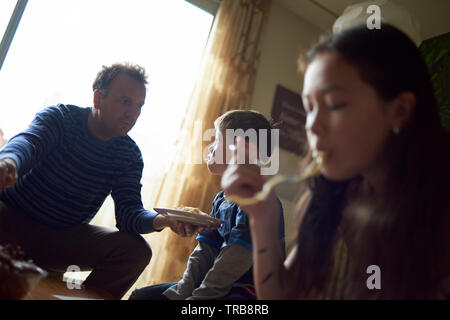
405,232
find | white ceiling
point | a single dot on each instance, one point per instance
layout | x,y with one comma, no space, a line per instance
433,15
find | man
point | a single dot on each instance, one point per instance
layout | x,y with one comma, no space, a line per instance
56,174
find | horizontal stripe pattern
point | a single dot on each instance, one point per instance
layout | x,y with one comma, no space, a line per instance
66,174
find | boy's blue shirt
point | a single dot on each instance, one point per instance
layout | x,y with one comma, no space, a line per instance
235,229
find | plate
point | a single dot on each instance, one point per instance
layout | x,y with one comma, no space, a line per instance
190,217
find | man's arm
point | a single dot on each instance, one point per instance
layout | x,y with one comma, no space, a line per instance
199,263
30,146
129,210
131,216
231,264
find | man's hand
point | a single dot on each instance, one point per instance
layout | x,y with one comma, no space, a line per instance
8,173
183,229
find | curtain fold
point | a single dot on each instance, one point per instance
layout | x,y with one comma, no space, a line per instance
225,82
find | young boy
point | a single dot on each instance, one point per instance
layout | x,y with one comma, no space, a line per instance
220,267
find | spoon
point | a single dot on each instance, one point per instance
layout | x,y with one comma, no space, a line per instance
311,170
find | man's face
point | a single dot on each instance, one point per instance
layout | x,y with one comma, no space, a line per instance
121,106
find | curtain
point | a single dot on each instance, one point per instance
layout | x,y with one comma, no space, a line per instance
225,82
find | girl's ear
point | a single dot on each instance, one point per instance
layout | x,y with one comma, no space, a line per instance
97,98
401,109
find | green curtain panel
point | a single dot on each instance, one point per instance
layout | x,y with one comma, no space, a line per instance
436,52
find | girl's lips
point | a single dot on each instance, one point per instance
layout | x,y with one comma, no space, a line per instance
318,153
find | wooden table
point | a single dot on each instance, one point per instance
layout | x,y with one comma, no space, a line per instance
47,288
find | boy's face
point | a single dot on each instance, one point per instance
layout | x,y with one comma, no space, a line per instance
217,158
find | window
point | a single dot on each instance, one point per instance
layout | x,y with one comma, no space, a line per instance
59,47
6,10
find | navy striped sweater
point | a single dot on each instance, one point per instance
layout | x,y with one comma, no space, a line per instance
65,173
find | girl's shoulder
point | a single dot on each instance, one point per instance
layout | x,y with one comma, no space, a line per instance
443,291
447,252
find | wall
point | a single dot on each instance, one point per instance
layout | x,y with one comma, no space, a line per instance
286,36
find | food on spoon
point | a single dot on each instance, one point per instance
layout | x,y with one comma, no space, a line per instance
311,170
315,166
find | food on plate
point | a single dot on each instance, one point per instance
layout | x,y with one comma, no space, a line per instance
191,209
190,215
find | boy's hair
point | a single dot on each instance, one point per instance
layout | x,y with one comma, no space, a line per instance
105,77
245,120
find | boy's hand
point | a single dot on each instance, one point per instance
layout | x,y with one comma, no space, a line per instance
242,177
245,180
8,173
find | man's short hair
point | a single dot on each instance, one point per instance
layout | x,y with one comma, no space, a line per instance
105,77
245,120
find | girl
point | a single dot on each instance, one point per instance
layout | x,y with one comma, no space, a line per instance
375,223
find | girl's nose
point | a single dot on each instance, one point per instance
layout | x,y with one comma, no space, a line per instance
315,121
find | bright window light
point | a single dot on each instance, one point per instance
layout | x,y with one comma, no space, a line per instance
6,10
59,47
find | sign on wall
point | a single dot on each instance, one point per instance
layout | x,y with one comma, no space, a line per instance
288,110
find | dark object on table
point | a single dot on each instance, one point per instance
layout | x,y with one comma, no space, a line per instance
17,275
